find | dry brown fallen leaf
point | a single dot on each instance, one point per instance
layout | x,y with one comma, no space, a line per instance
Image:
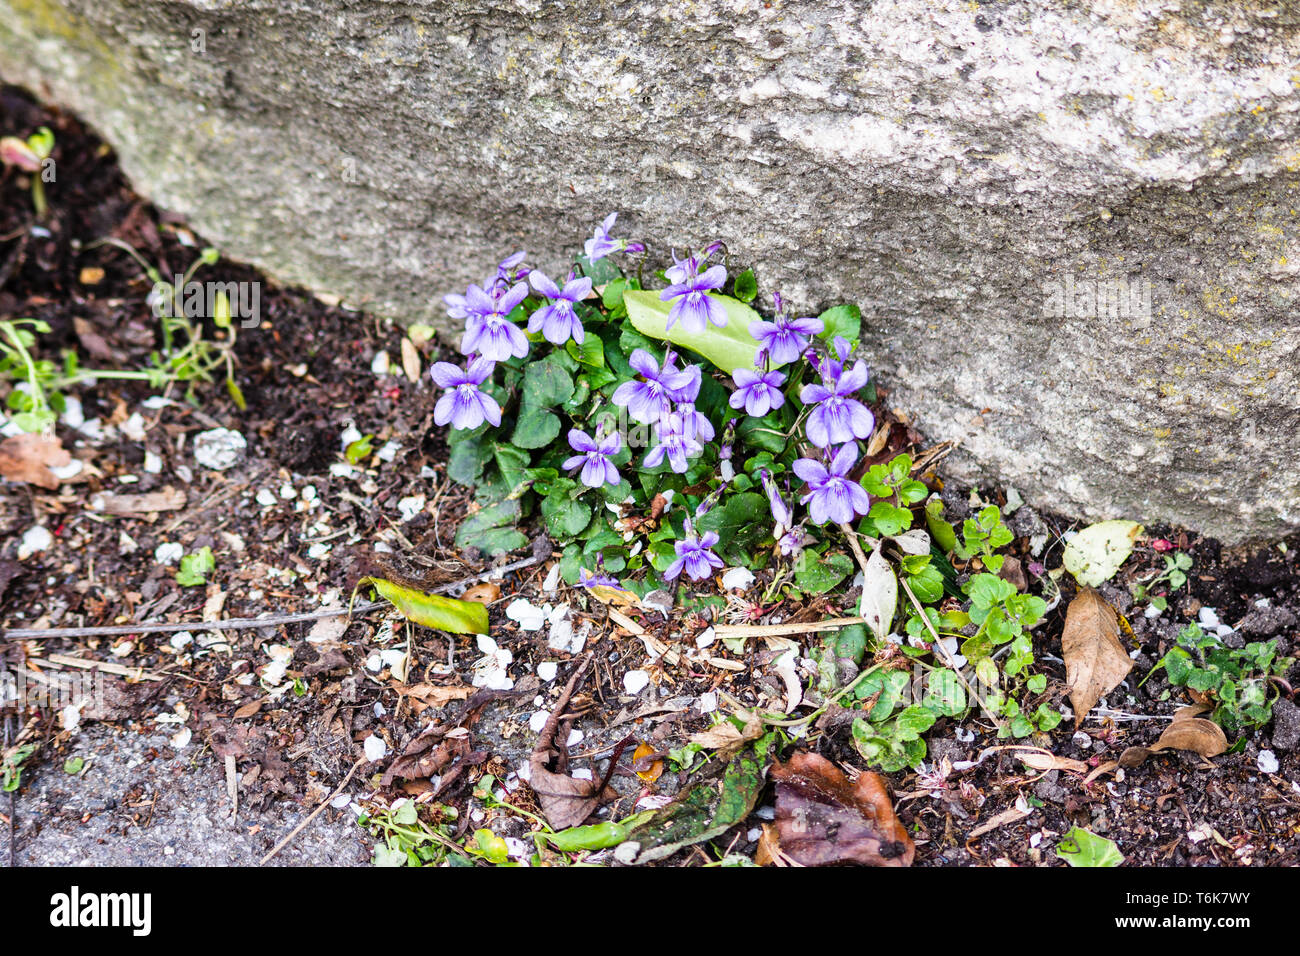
1187,731
29,458
1045,761
169,499
822,819
1095,660
565,801
726,739
484,592
424,696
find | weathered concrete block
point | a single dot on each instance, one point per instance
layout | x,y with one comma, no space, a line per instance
1079,216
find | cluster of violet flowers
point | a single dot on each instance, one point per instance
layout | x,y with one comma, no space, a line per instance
491,337
663,396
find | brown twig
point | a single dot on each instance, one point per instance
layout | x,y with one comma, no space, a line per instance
162,627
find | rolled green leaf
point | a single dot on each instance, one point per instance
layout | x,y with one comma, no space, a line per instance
729,347
433,610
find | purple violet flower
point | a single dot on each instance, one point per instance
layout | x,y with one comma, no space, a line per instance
782,513
456,307
832,496
649,401
593,455
689,295
487,330
757,392
600,244
691,390
695,424
507,270
588,580
839,417
464,405
557,321
783,339
673,443
694,556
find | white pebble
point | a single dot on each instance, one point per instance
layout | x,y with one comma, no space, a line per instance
1209,617
547,670
538,721
219,448
1267,762
36,538
381,363
635,681
266,497
375,748
169,552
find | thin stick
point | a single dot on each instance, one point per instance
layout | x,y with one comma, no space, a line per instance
781,630
857,548
314,814
162,627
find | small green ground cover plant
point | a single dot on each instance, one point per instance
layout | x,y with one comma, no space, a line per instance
1238,681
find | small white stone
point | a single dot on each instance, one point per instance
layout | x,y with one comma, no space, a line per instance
181,639
1152,612
288,492
318,551
181,739
219,448
375,748
1208,617
350,434
737,579
575,738
538,721
389,451
36,538
169,552
381,362
133,427
266,497
547,670
152,463
1267,762
73,416
68,471
635,681
411,506
705,638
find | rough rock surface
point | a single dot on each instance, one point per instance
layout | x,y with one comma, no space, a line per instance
984,179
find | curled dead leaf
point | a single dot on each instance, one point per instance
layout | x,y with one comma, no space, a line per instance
726,738
483,593
30,456
423,696
1185,732
1095,660
646,764
566,801
822,818
1044,761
